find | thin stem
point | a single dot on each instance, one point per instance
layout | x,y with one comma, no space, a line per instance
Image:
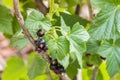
95,71
90,10
21,22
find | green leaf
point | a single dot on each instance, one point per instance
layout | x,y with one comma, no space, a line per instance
106,24
65,61
59,47
92,46
64,28
73,2
15,70
8,3
36,20
18,40
5,20
72,69
78,37
37,67
70,20
15,25
108,3
111,52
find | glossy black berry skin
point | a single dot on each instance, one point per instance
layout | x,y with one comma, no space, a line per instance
40,41
40,33
45,48
53,67
61,69
55,62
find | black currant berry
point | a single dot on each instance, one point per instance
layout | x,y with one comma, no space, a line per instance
45,48
55,62
52,67
61,69
40,43
40,33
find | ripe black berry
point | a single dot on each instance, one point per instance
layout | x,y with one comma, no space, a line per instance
40,33
45,48
40,43
52,67
61,69
55,62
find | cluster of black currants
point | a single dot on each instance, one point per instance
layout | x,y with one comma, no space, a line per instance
42,46
40,42
56,67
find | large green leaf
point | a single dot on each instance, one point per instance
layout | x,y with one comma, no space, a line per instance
37,67
18,40
106,24
78,37
36,20
5,20
59,47
112,53
15,70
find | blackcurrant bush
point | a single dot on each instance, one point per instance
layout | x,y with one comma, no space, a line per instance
40,33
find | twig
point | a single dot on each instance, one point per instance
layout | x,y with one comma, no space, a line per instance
77,11
95,71
30,38
21,22
41,7
90,10
64,76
